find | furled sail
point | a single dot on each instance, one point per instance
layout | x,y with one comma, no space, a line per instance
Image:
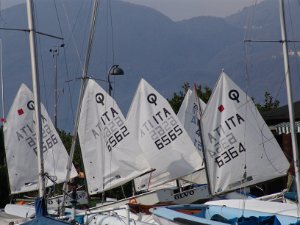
240,148
188,115
20,146
110,152
162,138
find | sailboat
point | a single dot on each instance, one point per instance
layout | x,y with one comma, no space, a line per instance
241,151
189,114
110,153
164,142
35,154
20,147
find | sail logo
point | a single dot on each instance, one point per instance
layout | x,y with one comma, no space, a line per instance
30,105
100,98
152,98
234,95
20,112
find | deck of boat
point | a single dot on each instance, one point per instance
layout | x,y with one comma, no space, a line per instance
6,219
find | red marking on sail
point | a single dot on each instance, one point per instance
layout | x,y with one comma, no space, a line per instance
20,112
3,120
221,108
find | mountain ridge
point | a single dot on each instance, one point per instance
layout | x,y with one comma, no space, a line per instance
146,44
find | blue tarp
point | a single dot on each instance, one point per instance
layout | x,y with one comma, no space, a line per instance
41,217
261,220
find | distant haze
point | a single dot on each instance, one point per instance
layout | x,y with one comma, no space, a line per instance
186,9
180,9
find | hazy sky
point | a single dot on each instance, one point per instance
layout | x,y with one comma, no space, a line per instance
181,9
184,9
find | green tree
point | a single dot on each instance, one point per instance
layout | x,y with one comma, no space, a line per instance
177,99
67,141
269,103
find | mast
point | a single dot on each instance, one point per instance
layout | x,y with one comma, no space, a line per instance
199,123
36,94
2,82
82,90
289,95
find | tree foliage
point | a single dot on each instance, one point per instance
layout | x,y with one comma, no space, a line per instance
204,93
177,99
269,103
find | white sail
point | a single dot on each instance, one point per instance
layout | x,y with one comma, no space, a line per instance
240,148
110,152
188,115
162,138
20,146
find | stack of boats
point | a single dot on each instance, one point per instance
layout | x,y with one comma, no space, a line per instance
206,151
153,146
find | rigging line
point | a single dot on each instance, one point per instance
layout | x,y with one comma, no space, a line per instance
112,33
112,43
68,85
71,29
91,38
106,45
271,41
72,38
57,16
250,22
1,17
65,63
72,34
293,35
38,38
37,32
2,81
82,90
247,60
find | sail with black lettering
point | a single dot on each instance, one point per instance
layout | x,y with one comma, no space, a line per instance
240,148
20,146
111,155
163,139
189,115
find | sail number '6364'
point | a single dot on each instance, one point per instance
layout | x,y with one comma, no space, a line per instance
226,149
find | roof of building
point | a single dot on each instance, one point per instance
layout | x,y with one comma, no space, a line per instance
281,114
